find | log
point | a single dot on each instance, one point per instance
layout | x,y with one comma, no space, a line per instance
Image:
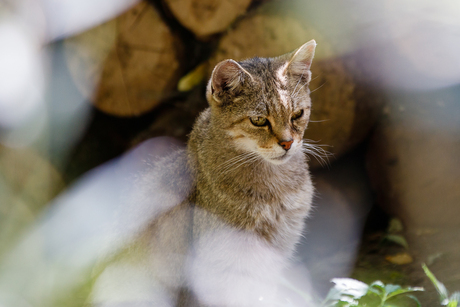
134,60
264,35
342,113
175,118
207,17
414,168
413,160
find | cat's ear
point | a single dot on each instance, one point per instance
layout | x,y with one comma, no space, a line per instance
227,78
300,61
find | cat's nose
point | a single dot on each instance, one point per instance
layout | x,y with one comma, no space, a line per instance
286,144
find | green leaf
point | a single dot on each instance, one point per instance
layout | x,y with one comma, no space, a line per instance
378,284
437,284
398,239
378,288
376,291
391,288
414,298
349,300
454,299
405,290
395,225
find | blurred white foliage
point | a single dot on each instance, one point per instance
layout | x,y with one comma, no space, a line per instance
91,222
22,77
406,44
425,35
26,26
68,17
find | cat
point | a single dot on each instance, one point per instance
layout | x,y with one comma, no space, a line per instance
229,241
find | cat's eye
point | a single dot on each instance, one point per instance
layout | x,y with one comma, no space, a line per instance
297,114
258,121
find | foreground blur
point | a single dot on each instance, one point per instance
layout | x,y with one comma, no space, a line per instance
52,249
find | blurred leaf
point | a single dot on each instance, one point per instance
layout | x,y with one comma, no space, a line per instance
415,299
437,284
378,284
351,287
395,226
378,288
376,291
333,295
455,296
400,259
392,288
398,239
454,299
192,79
348,300
405,290
349,292
432,258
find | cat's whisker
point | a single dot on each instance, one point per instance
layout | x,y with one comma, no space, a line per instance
317,88
251,159
231,162
233,165
296,94
323,162
316,151
236,162
315,78
301,76
319,121
309,142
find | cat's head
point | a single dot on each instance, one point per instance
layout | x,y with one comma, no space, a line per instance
263,104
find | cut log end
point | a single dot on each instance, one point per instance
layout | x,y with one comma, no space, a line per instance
135,67
207,17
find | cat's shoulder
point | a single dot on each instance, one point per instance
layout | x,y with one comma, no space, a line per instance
203,120
200,132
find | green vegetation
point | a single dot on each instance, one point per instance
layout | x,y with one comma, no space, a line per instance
446,300
348,292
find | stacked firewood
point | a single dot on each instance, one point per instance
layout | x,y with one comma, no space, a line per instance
131,65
